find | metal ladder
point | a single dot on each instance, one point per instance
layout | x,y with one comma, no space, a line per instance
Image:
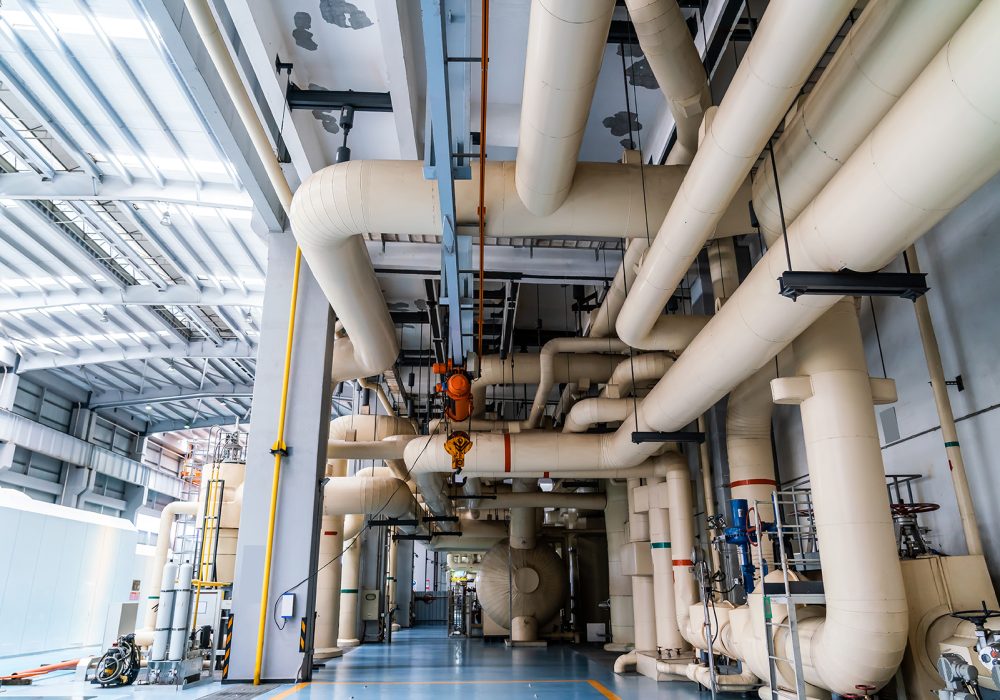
797,526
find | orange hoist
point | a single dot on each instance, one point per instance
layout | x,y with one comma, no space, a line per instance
456,385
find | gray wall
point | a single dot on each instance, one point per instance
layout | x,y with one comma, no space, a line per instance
962,258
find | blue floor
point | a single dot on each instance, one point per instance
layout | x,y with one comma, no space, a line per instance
421,663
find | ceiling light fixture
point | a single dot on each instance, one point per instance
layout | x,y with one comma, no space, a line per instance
165,219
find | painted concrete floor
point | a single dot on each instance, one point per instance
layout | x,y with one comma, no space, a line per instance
421,664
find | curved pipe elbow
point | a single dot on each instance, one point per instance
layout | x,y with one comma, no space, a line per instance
329,236
625,661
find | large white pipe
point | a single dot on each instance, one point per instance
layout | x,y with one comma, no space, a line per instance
385,496
636,371
547,360
789,41
557,95
350,581
862,638
390,448
894,199
748,441
666,43
589,412
389,196
892,41
668,637
681,522
328,578
876,205
619,585
545,499
525,368
643,604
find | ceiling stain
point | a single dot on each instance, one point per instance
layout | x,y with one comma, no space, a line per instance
326,116
634,51
641,75
344,14
622,123
303,37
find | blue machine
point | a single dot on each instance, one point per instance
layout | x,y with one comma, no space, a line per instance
740,533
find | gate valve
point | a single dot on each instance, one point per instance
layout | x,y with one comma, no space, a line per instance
457,445
456,385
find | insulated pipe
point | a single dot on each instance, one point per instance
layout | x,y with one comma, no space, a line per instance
589,412
388,448
643,605
350,581
619,585
636,370
350,495
383,398
949,433
748,445
547,361
156,567
863,636
666,43
339,261
790,39
681,523
557,95
892,41
894,198
392,196
523,521
331,546
668,636
525,368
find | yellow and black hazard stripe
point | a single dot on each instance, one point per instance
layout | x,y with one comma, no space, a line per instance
227,647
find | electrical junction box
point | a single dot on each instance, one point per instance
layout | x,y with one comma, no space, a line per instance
370,605
286,606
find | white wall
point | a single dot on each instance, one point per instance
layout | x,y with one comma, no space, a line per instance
962,258
60,571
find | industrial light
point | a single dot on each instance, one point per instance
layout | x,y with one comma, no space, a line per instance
165,219
170,366
149,407
104,316
249,317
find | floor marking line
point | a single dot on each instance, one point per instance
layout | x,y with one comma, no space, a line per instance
602,690
290,691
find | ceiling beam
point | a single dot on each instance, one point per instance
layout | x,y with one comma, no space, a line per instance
338,99
184,46
172,424
119,398
72,186
136,295
197,349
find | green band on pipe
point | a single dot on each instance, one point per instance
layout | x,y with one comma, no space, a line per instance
659,545
951,444
349,590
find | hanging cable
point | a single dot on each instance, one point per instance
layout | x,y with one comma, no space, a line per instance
484,64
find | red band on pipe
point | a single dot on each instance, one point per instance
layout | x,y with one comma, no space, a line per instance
683,562
330,532
753,482
545,474
506,452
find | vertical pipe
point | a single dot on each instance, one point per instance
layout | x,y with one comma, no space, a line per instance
182,605
949,433
164,612
644,607
668,636
708,486
619,586
350,582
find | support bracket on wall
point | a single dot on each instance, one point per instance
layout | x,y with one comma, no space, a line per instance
908,285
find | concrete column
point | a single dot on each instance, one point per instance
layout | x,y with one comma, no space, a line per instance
299,498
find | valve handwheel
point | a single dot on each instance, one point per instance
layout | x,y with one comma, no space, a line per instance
976,617
913,508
